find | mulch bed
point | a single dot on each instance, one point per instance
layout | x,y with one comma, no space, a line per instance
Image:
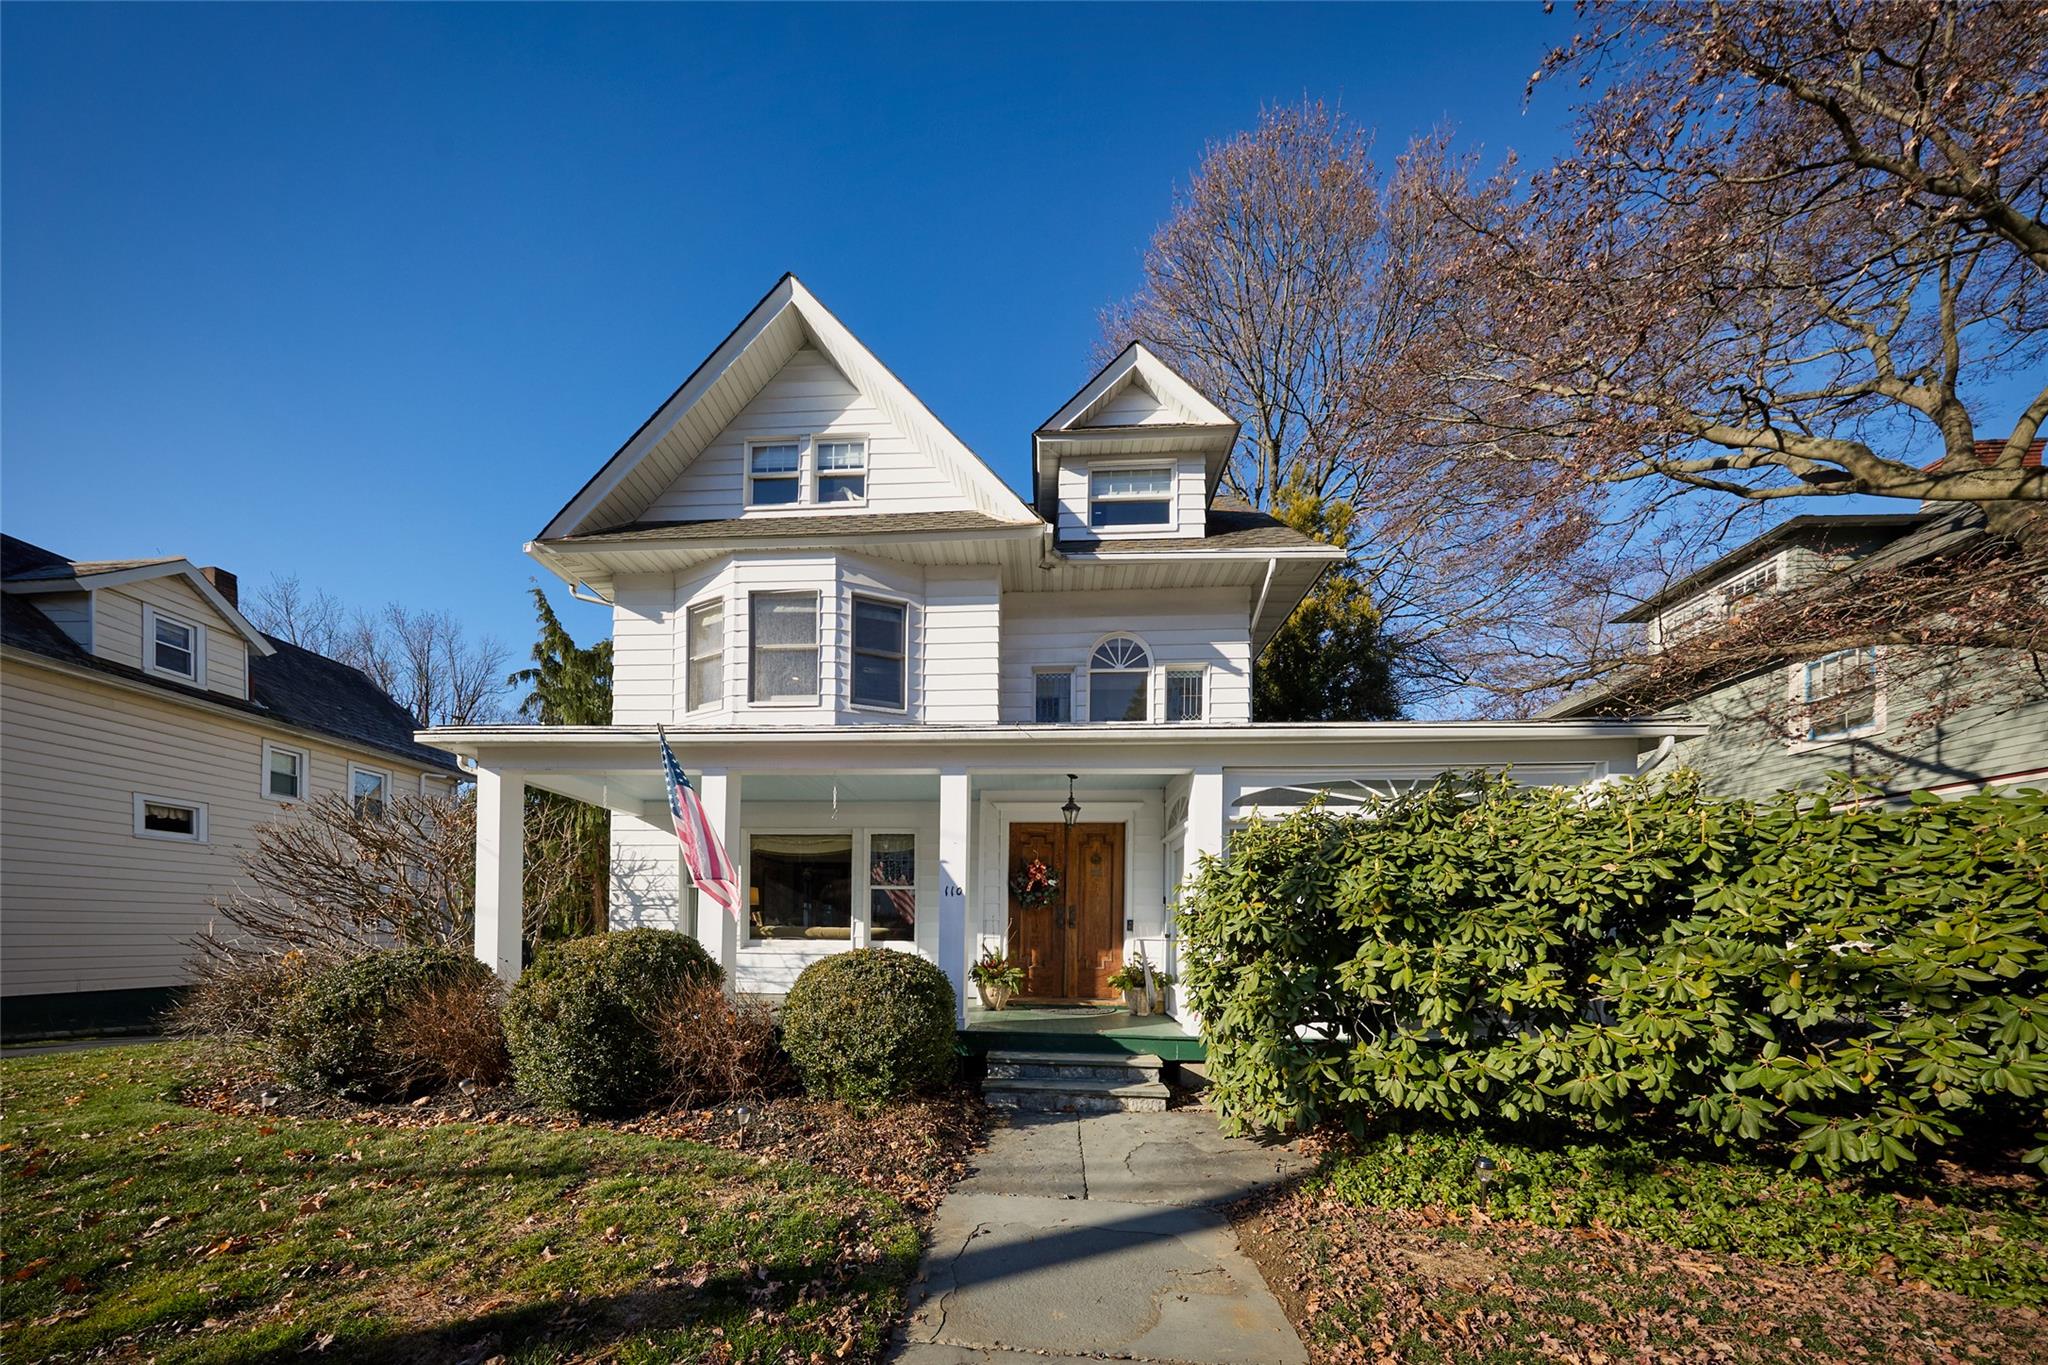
1388,1285
913,1150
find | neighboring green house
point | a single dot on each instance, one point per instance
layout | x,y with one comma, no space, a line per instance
1900,720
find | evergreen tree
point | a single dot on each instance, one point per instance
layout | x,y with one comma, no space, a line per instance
567,685
1332,659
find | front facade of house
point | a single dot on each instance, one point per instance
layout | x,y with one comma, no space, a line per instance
1900,720
146,729
892,679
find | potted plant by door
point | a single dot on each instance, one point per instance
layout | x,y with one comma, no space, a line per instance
1130,979
996,978
1162,982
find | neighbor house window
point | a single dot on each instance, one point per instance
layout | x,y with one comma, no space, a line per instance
775,474
175,647
1119,674
1184,693
800,886
368,790
1052,701
284,772
163,817
842,471
1840,691
1130,497
892,888
1762,578
705,683
880,659
782,647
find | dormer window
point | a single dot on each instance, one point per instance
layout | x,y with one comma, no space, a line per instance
1119,680
842,471
174,647
1130,497
775,474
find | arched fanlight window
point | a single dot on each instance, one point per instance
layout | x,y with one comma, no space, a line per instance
1119,677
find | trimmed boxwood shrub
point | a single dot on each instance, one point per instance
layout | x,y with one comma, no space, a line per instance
1852,981
870,1024
580,1022
331,1034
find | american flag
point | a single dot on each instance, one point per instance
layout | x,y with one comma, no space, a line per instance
710,868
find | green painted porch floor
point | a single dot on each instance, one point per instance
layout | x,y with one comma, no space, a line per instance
1078,1028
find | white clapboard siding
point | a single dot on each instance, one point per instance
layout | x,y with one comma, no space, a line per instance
645,873
808,397
1190,497
87,904
117,629
646,685
1060,630
962,650
1130,406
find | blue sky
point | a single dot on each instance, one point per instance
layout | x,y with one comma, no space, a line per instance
364,293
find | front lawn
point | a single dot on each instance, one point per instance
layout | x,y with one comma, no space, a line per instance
136,1227
1620,1251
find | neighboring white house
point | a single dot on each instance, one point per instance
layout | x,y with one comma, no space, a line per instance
146,727
880,666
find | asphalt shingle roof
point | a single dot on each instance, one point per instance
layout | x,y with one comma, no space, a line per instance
1230,527
294,686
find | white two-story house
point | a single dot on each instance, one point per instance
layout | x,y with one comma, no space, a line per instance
897,683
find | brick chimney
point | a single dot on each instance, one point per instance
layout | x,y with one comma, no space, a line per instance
224,583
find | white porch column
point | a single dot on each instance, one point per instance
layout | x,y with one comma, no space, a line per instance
716,928
955,808
500,870
1207,824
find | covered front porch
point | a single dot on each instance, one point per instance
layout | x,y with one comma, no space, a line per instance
1107,1029
911,838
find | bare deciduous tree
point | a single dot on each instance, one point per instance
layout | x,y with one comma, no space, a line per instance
424,659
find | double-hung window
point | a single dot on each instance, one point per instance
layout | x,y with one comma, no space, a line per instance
782,646
775,474
1184,694
367,790
1840,693
705,683
284,772
892,888
1130,497
172,646
1052,700
1119,680
842,471
880,653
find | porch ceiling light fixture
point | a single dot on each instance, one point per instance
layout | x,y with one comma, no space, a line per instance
1072,810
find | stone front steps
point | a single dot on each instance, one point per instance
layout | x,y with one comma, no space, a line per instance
1074,1082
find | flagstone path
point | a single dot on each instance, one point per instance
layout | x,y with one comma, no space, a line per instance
1099,1236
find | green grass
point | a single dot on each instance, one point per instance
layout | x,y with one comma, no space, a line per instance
1992,1247
135,1226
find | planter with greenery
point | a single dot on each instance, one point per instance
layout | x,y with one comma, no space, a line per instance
997,978
1130,979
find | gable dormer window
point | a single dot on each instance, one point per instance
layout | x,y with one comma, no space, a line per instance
1130,497
1119,680
173,647
775,474
842,471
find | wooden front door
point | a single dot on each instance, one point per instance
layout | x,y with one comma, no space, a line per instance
1070,947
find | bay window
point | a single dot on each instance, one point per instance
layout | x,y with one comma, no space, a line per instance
880,656
782,648
705,683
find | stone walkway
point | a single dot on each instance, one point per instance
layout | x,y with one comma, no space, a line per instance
1098,1236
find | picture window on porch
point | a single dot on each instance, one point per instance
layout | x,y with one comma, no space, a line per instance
782,658
1130,497
706,682
1184,693
892,888
775,475
1052,697
800,886
1119,680
880,653
842,471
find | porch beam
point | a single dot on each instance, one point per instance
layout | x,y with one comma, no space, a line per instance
956,805
500,870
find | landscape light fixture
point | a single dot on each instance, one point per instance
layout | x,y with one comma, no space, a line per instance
267,1099
1486,1171
1072,810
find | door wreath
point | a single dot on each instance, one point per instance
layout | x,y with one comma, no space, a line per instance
1033,883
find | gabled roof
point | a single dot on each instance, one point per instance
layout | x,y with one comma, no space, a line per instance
1097,420
1815,527
287,685
788,318
30,569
